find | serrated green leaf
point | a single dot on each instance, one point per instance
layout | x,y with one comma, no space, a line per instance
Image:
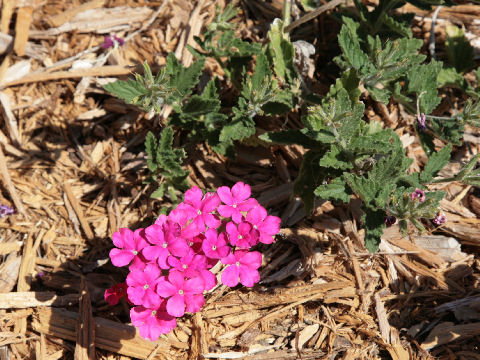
159,193
336,190
374,222
381,95
282,103
289,137
400,27
466,171
151,149
350,44
435,163
262,70
129,91
182,79
307,179
335,159
281,51
422,80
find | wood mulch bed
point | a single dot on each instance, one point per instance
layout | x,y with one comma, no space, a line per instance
72,164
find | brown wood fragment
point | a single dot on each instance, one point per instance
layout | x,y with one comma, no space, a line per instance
28,299
107,70
85,346
7,248
69,14
9,273
447,332
10,120
109,335
22,26
8,7
78,211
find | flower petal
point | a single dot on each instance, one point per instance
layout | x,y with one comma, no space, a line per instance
248,276
225,194
176,306
121,257
230,276
194,197
241,191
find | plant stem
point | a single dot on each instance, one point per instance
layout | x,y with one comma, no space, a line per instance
287,8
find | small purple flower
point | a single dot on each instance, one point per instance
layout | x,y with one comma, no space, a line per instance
440,218
390,220
421,122
5,210
112,41
418,194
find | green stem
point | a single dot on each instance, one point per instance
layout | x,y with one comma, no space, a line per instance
287,8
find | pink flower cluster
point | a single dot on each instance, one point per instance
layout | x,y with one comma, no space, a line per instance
169,261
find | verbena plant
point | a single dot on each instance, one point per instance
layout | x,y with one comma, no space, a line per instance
347,155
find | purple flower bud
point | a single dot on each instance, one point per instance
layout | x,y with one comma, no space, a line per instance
421,122
5,210
111,41
440,218
390,220
418,194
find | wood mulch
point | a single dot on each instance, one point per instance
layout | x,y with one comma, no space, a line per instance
72,164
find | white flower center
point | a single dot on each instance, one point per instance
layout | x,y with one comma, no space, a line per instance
184,266
240,237
237,263
164,245
214,248
134,252
190,243
199,212
146,286
255,227
180,292
234,206
154,312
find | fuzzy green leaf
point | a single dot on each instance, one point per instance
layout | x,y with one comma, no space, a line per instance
350,44
374,222
281,51
129,91
336,190
335,159
422,80
289,137
435,163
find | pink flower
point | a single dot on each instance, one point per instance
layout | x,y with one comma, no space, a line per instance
243,267
268,226
237,200
189,265
200,208
115,293
215,245
440,218
142,284
418,194
165,243
129,245
244,236
181,293
152,322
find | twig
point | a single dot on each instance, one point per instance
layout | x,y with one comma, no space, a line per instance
78,210
9,184
312,15
431,40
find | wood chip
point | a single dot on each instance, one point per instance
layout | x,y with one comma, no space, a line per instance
69,14
22,27
30,299
85,346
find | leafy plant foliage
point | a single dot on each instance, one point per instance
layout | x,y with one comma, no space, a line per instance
347,155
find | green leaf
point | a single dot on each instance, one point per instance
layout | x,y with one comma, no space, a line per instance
466,175
262,70
129,91
281,51
289,137
459,50
350,44
335,159
282,103
159,193
374,222
336,190
151,149
422,80
435,163
182,79
307,179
